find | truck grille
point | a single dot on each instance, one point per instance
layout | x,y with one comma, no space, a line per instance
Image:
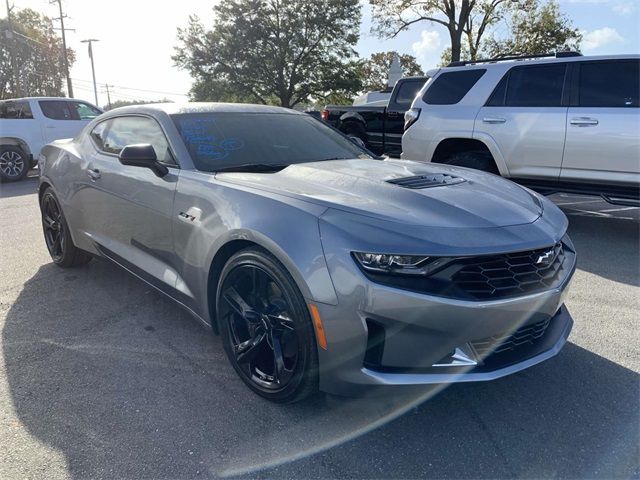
511,274
502,343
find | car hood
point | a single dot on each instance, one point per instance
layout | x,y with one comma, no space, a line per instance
457,197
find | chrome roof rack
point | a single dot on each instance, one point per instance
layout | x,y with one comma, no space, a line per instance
515,57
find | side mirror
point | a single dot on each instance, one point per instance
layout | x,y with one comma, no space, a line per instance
358,141
142,155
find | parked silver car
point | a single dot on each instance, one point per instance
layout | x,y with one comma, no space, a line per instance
321,265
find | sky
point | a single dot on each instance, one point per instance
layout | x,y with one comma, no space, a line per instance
137,38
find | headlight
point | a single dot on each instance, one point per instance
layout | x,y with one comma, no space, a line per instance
399,264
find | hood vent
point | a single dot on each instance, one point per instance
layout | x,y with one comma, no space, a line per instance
427,181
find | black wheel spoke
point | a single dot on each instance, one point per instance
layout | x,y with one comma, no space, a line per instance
247,350
278,359
239,305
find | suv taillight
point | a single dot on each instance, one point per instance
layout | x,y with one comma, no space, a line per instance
325,114
410,117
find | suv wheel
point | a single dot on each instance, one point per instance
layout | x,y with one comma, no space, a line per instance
14,163
474,159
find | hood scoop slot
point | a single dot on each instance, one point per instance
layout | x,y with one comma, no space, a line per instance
427,181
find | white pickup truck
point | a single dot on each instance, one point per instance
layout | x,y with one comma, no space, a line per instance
27,124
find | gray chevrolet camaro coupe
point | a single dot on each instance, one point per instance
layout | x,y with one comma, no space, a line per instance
321,265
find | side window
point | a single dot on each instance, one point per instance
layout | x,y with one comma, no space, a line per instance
98,133
407,92
451,87
535,86
16,110
125,131
609,84
84,111
57,110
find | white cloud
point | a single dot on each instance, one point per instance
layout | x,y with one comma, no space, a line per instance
624,8
428,45
598,38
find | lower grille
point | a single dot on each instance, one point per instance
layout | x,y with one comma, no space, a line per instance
500,276
527,335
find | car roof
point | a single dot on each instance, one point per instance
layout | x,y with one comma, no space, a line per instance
540,60
42,98
201,107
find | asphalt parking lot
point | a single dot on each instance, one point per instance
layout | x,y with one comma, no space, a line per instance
102,377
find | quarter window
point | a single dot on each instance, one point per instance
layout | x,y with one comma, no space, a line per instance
15,110
122,131
451,87
68,110
535,86
609,84
407,92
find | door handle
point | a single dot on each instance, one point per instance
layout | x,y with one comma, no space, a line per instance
494,120
583,121
94,174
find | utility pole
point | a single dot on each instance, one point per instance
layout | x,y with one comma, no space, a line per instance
93,70
64,49
16,90
108,98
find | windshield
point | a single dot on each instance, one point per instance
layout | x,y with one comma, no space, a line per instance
220,140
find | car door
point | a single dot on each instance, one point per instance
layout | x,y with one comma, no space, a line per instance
65,118
603,123
526,118
130,214
399,103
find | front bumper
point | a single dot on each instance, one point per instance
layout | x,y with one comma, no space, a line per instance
421,332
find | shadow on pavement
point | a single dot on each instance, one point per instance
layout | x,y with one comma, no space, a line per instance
28,186
594,237
127,385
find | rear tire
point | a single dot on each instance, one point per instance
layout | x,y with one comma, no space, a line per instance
478,160
266,327
14,163
56,234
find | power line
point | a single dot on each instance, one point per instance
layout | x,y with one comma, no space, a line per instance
132,88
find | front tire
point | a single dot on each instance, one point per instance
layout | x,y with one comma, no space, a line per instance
266,327
478,160
14,163
56,234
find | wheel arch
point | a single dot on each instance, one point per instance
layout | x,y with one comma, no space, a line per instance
452,145
239,241
17,142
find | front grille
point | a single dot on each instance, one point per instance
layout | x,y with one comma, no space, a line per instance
511,274
426,181
510,341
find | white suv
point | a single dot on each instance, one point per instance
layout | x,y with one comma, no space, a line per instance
27,124
567,123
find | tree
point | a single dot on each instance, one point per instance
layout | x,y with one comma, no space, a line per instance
37,52
125,103
273,51
376,69
467,19
536,29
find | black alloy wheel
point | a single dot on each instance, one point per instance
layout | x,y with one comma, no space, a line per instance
56,234
266,327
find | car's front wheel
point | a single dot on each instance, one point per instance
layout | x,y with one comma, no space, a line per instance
56,234
266,327
14,164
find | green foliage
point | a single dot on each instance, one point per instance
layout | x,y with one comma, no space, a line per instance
375,69
126,103
536,29
273,51
38,54
533,26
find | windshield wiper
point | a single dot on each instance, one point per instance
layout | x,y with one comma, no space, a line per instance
253,167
